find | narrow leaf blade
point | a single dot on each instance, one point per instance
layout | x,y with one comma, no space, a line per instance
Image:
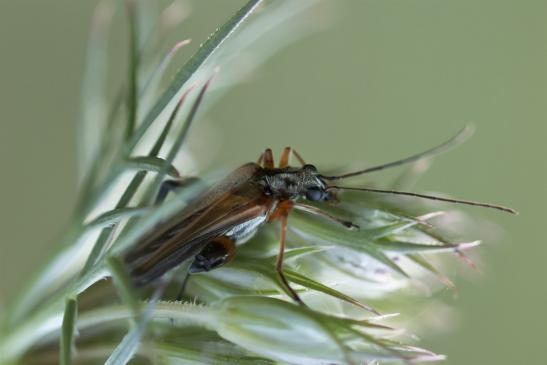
67,331
186,72
300,279
152,163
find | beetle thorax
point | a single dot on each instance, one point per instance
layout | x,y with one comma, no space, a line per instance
290,183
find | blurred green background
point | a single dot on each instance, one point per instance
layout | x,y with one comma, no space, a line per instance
387,79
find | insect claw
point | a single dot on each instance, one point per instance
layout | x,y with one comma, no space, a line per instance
299,301
352,226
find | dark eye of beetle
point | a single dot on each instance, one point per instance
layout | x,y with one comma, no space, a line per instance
314,194
308,167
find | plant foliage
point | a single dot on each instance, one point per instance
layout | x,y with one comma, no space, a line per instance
238,314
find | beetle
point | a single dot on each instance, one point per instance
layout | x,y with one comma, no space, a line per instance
208,229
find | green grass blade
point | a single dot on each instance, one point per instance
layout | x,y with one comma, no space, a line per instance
298,252
300,279
422,262
114,216
211,353
153,164
131,189
391,229
67,332
107,147
159,214
93,93
125,351
124,284
179,141
188,70
132,89
309,228
410,247
131,342
108,232
151,86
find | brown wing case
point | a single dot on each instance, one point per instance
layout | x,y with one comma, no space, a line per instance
232,202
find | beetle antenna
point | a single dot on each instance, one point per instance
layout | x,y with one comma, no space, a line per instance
458,139
430,197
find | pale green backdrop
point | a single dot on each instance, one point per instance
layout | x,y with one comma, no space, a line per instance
388,78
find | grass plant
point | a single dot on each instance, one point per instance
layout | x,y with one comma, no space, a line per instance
81,307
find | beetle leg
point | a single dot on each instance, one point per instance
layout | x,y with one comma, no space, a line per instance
284,159
214,254
180,293
171,185
166,187
268,159
286,154
299,157
316,211
279,262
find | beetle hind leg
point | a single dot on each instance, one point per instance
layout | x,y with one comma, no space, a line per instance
213,255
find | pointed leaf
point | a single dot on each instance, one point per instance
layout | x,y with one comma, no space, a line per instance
310,228
422,262
150,87
391,229
405,224
409,247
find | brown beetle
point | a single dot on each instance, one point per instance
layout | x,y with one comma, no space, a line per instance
208,229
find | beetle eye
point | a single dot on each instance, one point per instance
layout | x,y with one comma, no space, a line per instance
308,167
314,194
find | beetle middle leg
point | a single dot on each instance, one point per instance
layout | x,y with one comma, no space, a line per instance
279,261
